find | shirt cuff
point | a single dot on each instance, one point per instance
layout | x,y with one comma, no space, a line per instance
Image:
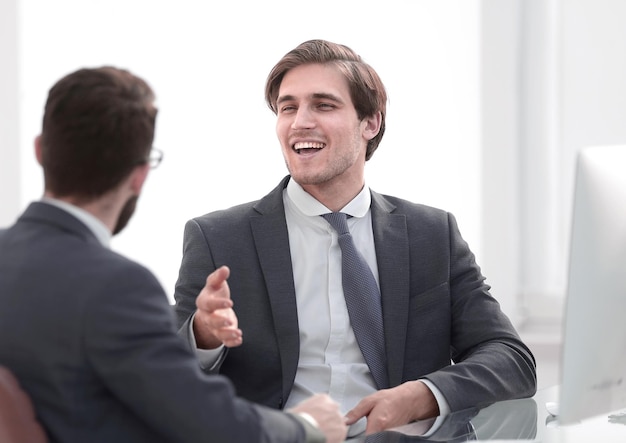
208,358
312,432
309,418
444,407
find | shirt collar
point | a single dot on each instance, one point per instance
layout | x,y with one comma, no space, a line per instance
308,205
94,224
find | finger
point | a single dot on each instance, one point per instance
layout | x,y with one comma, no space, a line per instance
233,342
214,314
217,278
220,327
216,287
352,417
382,417
359,411
230,337
211,303
371,427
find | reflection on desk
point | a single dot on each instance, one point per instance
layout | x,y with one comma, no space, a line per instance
507,420
524,420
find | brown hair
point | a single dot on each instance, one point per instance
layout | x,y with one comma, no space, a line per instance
367,90
98,124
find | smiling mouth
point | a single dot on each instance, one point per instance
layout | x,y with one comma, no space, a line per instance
305,147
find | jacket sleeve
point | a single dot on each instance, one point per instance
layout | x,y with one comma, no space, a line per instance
195,267
131,343
491,363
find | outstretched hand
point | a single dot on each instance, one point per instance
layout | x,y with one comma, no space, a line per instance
215,322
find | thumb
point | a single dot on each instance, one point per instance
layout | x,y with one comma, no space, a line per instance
216,281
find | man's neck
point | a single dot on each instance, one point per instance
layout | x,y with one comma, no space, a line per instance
101,208
99,229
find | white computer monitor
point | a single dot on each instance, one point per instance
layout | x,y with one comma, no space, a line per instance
593,370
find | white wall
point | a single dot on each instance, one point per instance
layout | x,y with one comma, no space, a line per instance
574,96
500,128
9,105
208,63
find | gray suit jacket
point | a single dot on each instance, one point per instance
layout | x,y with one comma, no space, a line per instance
436,307
92,339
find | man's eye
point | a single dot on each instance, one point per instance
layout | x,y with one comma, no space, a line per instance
325,106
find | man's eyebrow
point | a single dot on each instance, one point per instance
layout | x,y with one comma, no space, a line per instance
284,98
316,96
326,96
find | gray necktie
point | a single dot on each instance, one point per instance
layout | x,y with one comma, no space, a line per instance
363,301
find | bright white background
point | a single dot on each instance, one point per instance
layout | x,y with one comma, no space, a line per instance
208,62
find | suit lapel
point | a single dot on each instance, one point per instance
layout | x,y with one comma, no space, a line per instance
269,229
392,253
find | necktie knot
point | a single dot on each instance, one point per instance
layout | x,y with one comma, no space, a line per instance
338,220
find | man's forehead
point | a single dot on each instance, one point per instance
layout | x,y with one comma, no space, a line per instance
314,82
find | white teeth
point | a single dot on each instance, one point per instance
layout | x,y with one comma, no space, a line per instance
308,145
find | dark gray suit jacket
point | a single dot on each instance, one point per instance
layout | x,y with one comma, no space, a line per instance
92,339
436,306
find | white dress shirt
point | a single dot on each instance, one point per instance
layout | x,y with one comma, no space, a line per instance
330,358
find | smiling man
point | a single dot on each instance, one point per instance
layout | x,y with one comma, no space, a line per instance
422,338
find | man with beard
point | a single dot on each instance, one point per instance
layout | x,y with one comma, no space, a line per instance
90,334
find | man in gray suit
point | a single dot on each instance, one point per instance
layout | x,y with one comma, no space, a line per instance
448,345
90,334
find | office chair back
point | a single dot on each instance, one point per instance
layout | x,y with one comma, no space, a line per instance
18,423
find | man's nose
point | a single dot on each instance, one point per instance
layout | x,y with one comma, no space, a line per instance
303,119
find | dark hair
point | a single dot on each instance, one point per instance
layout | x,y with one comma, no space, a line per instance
367,90
98,125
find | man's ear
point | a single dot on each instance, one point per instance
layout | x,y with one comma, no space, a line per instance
138,178
372,126
38,152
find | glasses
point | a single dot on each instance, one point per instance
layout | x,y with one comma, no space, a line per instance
154,158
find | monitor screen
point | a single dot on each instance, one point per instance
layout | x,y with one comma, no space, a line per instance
593,371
